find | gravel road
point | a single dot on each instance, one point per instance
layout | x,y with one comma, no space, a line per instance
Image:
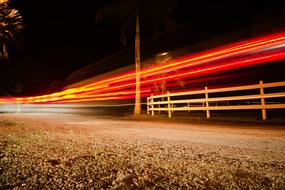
71,151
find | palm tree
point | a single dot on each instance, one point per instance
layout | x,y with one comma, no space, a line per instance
10,25
134,11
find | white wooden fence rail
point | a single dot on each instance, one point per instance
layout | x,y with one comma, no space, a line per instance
164,103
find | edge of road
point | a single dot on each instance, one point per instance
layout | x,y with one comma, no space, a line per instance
217,119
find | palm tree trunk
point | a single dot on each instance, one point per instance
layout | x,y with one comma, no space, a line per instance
3,52
137,110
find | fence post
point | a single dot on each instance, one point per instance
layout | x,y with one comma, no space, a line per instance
159,106
147,105
263,111
168,105
189,106
207,103
152,106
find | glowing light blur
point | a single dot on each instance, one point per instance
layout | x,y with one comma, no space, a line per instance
120,87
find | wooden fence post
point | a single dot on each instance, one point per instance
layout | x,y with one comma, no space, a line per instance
207,103
189,106
168,105
147,105
159,107
152,106
262,100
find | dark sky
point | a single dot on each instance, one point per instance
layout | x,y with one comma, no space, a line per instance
63,36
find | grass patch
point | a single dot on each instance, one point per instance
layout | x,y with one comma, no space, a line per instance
38,136
9,123
14,140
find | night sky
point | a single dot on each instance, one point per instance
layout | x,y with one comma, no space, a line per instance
63,36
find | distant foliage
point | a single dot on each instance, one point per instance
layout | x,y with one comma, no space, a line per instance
11,23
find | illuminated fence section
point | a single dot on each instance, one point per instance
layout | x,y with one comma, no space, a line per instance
221,99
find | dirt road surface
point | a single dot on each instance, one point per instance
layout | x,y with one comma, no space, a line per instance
91,152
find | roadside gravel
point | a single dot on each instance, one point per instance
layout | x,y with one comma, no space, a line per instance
40,153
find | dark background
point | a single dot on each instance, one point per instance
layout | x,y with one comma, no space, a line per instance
62,36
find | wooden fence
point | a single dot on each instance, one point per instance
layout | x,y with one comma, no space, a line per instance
221,99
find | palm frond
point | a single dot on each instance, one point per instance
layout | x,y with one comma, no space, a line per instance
156,16
11,23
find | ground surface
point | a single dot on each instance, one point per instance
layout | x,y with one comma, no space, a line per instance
69,151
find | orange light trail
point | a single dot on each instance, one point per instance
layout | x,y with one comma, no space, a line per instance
239,55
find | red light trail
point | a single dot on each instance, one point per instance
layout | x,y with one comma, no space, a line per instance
235,56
